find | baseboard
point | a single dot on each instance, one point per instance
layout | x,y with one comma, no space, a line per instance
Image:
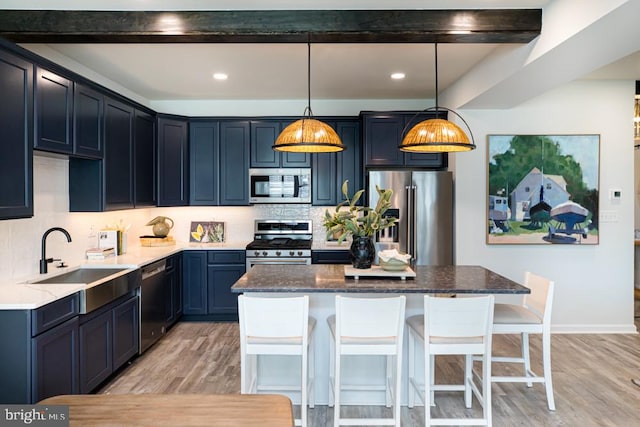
594,329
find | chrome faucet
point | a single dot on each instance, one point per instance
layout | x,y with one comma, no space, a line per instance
44,261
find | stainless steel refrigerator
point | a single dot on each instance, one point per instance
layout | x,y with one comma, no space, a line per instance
423,203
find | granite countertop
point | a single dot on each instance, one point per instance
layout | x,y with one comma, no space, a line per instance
22,294
456,279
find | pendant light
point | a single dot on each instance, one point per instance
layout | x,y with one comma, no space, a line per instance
437,135
308,135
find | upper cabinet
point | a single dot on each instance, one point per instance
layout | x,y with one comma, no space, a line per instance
263,135
330,170
383,134
16,122
144,154
88,111
53,112
118,155
173,186
219,163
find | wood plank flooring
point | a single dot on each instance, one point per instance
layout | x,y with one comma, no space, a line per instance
591,378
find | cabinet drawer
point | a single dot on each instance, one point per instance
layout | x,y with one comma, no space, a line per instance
53,314
225,257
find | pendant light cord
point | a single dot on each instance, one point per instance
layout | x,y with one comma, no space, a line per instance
436,62
309,76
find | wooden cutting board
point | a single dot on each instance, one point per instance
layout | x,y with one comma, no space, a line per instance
157,241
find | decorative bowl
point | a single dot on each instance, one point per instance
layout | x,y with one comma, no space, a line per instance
393,264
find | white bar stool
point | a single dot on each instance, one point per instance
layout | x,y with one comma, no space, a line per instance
276,326
532,317
452,326
367,327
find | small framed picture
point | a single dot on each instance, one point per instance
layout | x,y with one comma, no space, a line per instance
206,232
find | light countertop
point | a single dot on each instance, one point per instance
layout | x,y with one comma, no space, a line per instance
20,294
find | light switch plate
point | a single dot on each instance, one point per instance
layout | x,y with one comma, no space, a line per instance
608,216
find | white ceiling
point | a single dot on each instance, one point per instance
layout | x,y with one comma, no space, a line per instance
279,71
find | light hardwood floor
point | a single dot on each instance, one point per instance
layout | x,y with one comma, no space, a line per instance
591,378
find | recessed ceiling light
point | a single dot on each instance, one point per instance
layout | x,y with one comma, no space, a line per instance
397,76
220,76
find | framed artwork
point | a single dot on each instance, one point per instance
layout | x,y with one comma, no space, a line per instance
543,189
206,232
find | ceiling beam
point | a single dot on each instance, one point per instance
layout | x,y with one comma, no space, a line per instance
273,26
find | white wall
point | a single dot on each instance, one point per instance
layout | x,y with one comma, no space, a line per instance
594,284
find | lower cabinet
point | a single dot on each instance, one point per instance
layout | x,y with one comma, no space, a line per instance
109,337
330,256
207,280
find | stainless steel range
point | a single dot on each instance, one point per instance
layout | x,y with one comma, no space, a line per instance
280,242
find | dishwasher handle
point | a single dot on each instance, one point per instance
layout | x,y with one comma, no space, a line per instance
153,269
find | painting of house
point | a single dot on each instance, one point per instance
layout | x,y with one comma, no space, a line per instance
543,189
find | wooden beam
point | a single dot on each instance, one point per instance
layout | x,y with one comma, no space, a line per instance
272,26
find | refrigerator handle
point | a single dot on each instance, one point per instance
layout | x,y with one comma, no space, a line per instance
414,237
410,215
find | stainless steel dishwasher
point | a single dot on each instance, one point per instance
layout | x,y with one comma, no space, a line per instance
152,304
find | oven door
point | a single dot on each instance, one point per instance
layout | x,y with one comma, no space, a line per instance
277,261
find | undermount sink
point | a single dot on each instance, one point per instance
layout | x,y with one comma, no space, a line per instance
81,275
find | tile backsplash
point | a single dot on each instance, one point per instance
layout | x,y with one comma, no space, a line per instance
20,245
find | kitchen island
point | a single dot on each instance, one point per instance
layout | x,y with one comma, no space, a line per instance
322,282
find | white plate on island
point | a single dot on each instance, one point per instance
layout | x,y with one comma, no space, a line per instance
377,271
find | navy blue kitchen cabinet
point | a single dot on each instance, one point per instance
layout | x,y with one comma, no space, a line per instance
331,256
263,135
16,122
109,337
173,289
88,112
173,162
207,280
144,154
383,133
330,170
39,351
53,112
219,163
118,155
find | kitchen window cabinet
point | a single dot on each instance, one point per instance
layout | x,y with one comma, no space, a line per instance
173,186
118,157
263,135
144,154
53,112
382,136
16,122
219,163
330,170
207,280
88,112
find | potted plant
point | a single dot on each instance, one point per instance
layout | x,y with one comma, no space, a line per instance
359,222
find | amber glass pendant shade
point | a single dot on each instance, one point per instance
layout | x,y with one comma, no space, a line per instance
308,135
437,135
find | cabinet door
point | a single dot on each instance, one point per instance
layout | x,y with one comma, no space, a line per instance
428,160
349,161
54,106
263,136
55,361
16,122
96,353
173,160
126,326
144,145
220,278
382,135
118,158
204,164
88,111
324,179
174,268
194,282
234,163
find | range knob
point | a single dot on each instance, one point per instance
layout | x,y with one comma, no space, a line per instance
257,253
264,253
299,253
291,253
278,253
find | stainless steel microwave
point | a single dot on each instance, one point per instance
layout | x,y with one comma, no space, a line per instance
280,185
